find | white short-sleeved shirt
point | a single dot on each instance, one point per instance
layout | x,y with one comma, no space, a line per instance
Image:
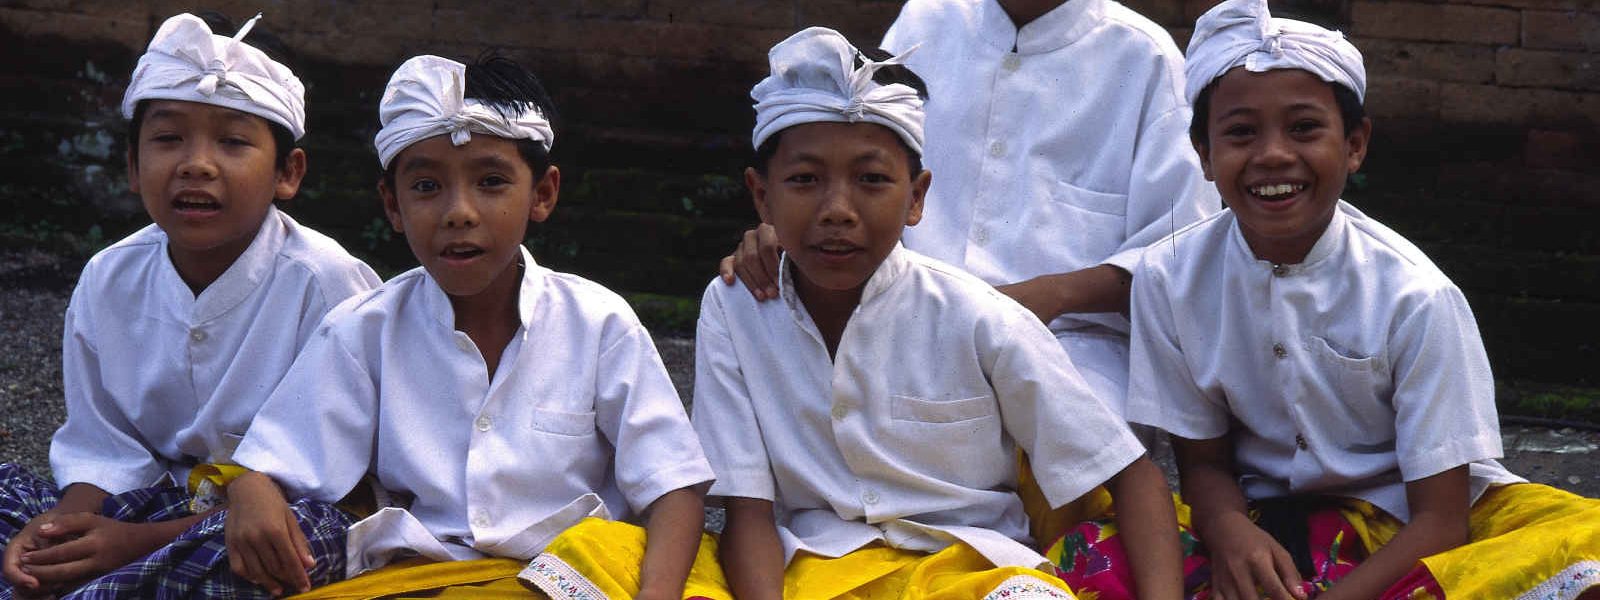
157,379
1348,374
909,435
1056,147
580,419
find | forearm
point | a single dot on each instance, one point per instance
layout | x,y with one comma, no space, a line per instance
1213,496
1097,289
1149,526
751,553
672,537
1425,535
80,497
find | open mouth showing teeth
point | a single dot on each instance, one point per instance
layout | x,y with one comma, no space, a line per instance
461,252
1277,191
195,203
837,249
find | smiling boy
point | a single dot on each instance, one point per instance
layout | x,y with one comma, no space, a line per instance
1313,364
507,401
175,334
864,427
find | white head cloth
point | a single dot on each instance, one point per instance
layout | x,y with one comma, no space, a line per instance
1242,32
425,98
185,61
814,79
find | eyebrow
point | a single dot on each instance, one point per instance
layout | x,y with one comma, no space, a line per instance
492,161
417,162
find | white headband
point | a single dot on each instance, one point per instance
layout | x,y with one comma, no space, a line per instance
814,79
425,98
1242,32
185,61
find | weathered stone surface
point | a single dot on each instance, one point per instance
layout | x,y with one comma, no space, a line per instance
1435,22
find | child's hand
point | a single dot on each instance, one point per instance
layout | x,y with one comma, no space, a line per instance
265,544
26,540
78,546
1246,563
755,262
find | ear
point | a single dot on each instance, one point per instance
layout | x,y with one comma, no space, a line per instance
1357,143
290,176
1204,150
758,192
391,206
919,193
133,170
545,194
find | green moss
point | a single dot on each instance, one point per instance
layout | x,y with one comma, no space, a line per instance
665,315
1548,401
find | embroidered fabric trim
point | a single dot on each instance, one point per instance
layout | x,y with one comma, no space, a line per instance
1567,584
1024,587
559,580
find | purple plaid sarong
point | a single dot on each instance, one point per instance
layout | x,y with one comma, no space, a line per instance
195,565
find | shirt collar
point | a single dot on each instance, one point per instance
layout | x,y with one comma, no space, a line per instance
1331,241
1053,30
437,304
245,274
888,272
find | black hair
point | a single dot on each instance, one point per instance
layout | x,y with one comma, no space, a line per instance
887,75
263,40
511,90
1350,111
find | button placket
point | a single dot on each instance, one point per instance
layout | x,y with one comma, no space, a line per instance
197,335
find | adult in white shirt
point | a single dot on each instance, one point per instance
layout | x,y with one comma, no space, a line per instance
1057,133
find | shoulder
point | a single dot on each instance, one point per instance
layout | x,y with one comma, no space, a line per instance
1188,248
325,263
120,266
920,17
368,310
1390,255
956,298
1143,48
590,302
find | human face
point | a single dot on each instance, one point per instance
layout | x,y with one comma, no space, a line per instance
207,175
838,196
464,209
1279,155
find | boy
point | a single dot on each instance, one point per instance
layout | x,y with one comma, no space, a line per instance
864,427
508,401
1048,195
1303,355
176,333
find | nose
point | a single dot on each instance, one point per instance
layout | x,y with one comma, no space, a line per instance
1275,150
199,162
837,208
461,211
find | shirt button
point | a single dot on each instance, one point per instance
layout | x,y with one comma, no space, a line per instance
980,236
870,497
1279,351
197,335
1011,62
997,148
483,423
480,519
1300,441
1279,270
839,411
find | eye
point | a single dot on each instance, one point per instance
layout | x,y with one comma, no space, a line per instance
801,179
166,138
1305,126
494,181
424,186
876,178
236,141
1238,130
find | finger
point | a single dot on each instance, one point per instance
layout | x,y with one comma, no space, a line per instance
1221,585
767,244
283,560
1266,575
11,568
1287,571
58,573
754,280
67,525
64,552
256,572
725,269
1241,584
302,553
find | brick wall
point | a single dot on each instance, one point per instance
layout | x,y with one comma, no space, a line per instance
1487,129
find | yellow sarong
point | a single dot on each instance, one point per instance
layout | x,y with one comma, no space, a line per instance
601,559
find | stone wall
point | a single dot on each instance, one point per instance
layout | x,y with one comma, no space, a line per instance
1487,129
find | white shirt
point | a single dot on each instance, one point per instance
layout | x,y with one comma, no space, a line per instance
909,434
1348,374
580,419
1054,148
157,379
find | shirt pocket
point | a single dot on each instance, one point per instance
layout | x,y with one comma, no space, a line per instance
1113,205
907,408
563,423
1077,227
1362,416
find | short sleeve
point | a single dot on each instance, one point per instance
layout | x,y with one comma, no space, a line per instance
1445,414
723,415
1073,439
639,410
1162,391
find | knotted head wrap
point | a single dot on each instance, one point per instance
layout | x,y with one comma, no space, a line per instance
185,61
1242,32
426,97
814,79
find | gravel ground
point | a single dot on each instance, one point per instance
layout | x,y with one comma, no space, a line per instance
35,286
